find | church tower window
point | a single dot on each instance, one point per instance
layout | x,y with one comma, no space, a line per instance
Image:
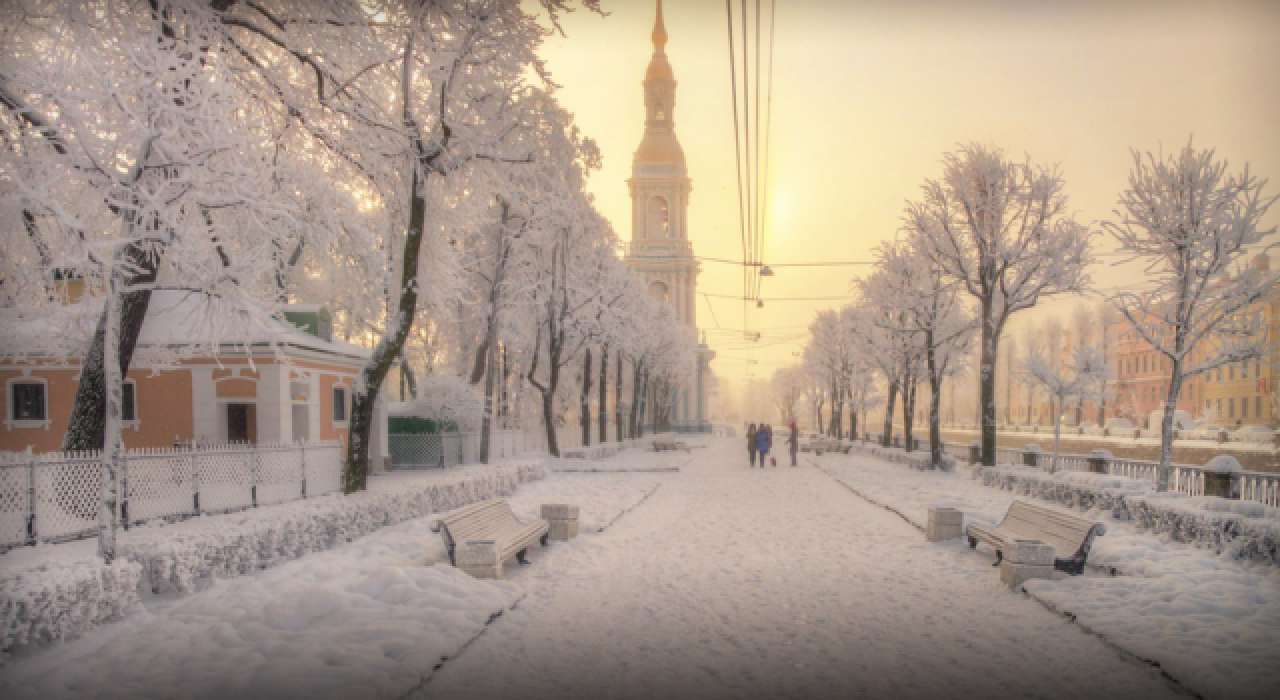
659,218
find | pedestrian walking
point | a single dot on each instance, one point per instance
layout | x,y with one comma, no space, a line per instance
751,445
762,443
794,442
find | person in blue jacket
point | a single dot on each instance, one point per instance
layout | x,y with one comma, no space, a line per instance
763,443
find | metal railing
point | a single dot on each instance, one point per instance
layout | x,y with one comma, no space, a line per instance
56,496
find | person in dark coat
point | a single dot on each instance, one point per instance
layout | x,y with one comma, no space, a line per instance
763,442
794,442
751,445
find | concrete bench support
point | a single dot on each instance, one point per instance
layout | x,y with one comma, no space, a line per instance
480,559
1026,559
944,524
563,520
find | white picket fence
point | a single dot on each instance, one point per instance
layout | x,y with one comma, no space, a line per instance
55,496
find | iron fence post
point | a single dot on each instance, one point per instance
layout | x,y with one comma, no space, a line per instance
124,488
195,482
32,534
255,474
303,445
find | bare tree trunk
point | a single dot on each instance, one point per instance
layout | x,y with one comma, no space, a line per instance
584,398
480,360
635,399
1056,403
886,440
1166,425
504,390
617,399
87,425
987,384
644,404
603,408
355,474
548,421
486,425
935,398
113,446
406,372
908,413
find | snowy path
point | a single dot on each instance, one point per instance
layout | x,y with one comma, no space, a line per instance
780,583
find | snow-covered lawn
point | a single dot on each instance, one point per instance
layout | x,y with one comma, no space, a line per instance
1211,621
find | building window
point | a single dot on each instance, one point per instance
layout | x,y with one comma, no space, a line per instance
1257,400
129,401
1244,408
1231,372
28,402
1231,408
659,218
339,404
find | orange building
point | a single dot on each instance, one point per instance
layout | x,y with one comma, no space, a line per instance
282,384
1235,393
1246,392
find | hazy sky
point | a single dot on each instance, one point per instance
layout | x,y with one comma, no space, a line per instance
868,96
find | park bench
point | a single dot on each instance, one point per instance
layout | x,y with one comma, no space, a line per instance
669,446
1070,536
493,530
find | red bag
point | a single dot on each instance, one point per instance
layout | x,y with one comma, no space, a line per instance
773,461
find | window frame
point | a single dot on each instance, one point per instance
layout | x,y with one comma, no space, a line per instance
137,419
11,419
346,404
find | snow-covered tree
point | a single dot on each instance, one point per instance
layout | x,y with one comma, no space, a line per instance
1000,229
787,385
1192,223
1068,384
136,163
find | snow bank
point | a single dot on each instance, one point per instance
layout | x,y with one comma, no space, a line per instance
368,619
1209,619
1241,529
57,592
61,600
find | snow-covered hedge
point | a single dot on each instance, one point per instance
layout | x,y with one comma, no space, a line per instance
61,600
918,459
175,559
1242,529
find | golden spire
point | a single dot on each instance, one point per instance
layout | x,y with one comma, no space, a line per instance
659,31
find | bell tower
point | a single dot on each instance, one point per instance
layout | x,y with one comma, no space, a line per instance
660,250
